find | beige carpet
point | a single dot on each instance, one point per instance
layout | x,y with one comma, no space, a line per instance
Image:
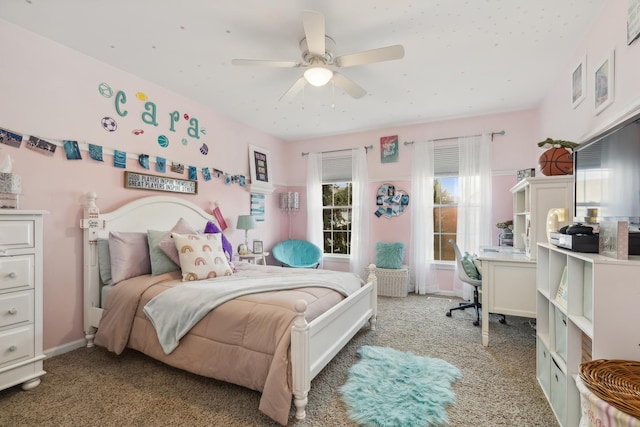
91,387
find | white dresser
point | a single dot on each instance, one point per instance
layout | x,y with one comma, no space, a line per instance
21,252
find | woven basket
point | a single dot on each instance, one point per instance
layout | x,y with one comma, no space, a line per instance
617,382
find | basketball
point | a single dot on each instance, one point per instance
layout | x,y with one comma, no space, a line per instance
556,161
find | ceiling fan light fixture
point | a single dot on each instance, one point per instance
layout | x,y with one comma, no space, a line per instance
318,75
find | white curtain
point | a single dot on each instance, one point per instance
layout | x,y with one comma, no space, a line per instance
360,215
422,269
314,199
474,205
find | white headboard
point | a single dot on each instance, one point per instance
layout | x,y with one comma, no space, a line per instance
146,213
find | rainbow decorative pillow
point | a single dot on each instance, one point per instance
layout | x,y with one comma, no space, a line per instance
201,256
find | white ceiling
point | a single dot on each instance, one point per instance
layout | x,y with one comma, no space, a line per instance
462,57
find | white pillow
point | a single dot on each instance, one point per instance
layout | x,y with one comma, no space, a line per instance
201,256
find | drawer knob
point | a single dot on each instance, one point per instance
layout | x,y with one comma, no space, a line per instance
13,348
13,310
13,275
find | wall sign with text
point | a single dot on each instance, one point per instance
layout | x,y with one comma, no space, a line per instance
144,181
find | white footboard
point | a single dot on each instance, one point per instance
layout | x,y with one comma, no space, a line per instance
315,344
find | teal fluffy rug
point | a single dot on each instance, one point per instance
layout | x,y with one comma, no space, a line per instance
388,388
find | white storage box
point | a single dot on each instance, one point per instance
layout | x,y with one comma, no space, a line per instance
392,282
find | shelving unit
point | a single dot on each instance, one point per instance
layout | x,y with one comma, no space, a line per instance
532,199
600,320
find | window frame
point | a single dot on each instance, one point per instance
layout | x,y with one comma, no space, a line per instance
349,208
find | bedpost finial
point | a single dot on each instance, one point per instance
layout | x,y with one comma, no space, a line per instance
91,198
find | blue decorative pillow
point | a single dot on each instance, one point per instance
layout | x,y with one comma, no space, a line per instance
389,255
469,266
226,244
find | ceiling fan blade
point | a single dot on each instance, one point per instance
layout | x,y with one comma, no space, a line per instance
266,63
293,90
313,23
381,54
348,86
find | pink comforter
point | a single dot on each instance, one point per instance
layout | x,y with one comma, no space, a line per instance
244,341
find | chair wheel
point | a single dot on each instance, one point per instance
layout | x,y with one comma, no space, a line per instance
502,320
448,314
476,323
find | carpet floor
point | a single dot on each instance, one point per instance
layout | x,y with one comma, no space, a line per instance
94,387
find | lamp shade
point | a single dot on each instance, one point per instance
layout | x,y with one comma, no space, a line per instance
246,222
318,76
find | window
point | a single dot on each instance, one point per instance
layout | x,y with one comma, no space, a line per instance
336,204
445,201
445,216
336,217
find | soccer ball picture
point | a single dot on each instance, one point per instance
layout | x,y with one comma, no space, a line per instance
109,124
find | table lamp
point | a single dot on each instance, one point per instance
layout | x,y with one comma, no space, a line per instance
246,223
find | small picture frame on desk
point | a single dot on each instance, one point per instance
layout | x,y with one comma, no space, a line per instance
257,246
613,241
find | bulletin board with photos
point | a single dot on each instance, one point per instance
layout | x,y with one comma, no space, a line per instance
391,201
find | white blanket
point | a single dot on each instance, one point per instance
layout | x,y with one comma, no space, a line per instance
175,311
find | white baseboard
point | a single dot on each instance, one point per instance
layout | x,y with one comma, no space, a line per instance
65,348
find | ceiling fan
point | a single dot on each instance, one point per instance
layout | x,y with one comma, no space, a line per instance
319,60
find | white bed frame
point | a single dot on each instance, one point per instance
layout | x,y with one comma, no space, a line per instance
313,344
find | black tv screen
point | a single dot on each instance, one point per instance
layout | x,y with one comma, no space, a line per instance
607,175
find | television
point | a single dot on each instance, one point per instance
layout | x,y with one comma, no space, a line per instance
607,175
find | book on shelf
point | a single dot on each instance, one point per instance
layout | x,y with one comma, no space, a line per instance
561,295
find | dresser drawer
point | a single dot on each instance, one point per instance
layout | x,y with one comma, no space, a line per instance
16,344
16,307
16,234
16,272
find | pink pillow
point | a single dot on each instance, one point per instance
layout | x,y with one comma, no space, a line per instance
168,246
129,254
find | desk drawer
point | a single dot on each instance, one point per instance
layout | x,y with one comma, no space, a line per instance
16,307
16,344
17,272
16,235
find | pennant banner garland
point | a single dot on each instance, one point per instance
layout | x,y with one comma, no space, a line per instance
73,149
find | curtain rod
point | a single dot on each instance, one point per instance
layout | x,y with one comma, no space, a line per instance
366,149
456,137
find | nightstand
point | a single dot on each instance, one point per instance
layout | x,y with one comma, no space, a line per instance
254,258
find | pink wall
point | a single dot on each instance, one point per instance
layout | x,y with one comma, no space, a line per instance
51,92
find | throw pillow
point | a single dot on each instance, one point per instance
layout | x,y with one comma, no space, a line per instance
469,267
389,255
160,262
201,256
168,246
104,261
211,227
129,253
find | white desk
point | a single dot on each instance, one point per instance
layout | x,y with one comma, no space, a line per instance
508,286
254,258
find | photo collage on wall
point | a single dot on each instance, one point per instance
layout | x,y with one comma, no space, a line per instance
390,201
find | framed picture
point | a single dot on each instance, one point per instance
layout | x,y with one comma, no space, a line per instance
579,82
257,246
259,164
614,239
389,149
633,21
604,84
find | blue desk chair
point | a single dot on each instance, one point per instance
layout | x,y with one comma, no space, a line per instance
297,254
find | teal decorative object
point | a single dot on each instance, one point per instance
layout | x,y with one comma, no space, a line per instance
389,255
388,387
